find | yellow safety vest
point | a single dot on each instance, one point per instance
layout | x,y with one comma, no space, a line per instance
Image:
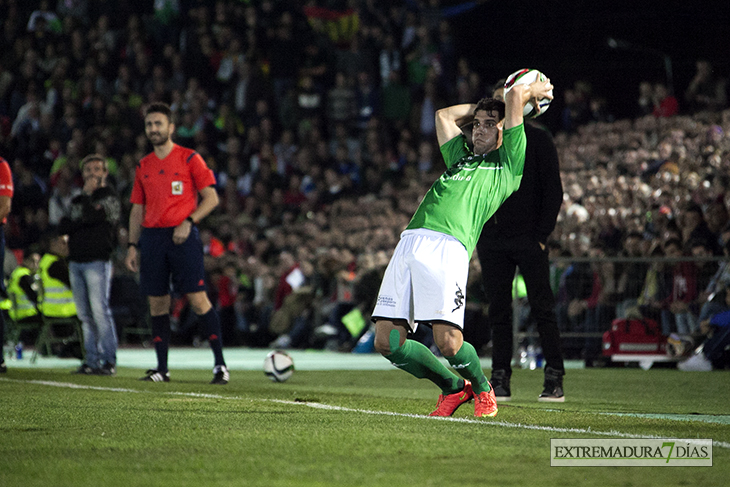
6,303
24,307
57,299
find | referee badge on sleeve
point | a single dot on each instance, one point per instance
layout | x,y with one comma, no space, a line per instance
177,188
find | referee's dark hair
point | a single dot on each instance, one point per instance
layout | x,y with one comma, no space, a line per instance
159,107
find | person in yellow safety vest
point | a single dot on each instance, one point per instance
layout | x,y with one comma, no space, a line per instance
21,294
56,300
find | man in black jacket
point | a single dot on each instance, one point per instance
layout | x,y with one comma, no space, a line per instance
516,236
91,228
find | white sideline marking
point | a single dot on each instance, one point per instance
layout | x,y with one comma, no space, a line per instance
316,405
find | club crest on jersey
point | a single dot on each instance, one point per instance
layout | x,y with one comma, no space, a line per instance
177,188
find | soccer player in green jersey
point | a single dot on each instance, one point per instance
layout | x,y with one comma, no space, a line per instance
425,281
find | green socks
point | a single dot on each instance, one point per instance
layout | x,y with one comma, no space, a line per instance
416,359
466,361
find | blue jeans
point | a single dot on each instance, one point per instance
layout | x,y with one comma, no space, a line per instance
91,283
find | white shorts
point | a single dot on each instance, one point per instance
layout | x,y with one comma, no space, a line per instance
425,280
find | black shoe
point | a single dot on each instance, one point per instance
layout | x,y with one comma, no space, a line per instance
85,370
500,384
153,375
220,375
3,368
553,386
107,369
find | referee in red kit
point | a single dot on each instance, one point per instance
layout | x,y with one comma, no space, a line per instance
6,196
164,244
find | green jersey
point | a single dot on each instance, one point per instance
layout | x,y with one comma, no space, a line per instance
472,188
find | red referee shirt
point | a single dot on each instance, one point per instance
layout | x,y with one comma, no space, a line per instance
168,188
6,181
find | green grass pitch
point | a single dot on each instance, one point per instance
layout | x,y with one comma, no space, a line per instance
342,428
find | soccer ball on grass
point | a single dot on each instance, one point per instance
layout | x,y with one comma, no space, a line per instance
278,366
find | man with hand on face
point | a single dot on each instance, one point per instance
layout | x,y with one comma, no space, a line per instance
91,229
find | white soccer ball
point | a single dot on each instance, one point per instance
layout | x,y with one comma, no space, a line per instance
525,77
278,366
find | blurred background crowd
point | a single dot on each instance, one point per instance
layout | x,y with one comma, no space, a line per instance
317,118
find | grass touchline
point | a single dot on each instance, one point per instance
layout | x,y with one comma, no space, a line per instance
316,405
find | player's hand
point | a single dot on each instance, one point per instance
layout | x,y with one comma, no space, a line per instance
182,232
132,260
540,90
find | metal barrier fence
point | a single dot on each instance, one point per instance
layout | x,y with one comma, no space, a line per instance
592,292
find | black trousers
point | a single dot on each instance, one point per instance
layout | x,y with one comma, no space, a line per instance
498,259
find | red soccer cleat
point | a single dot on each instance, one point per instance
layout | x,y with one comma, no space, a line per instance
447,405
485,404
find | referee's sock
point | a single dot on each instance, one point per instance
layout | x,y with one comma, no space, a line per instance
416,359
212,325
161,339
466,361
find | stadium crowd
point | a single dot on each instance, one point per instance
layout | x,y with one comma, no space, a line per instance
318,121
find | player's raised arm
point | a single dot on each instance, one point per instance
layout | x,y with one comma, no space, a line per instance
450,120
516,99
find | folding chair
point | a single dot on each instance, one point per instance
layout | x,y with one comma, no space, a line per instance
15,328
47,338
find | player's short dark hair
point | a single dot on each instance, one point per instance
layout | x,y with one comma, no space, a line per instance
159,107
489,105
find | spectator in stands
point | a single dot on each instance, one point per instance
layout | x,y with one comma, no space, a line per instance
292,298
711,298
630,275
665,104
713,352
707,90
367,100
717,218
694,228
677,314
59,202
228,304
645,102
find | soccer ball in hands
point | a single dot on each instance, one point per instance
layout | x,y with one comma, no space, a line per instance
278,366
525,77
